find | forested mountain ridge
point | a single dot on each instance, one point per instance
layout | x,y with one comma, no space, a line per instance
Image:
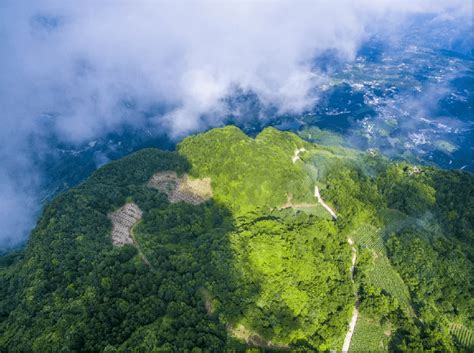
260,264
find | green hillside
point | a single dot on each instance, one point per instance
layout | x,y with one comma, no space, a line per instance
226,247
248,173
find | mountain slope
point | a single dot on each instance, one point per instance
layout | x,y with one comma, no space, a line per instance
260,263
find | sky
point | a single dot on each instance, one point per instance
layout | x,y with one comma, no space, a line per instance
77,70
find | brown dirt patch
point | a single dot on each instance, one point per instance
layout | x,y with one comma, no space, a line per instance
184,188
122,222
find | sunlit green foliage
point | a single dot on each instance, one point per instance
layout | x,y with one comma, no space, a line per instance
437,273
300,266
238,270
370,335
407,190
379,271
248,173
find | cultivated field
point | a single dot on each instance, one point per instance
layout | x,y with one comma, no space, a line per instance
382,274
463,335
369,336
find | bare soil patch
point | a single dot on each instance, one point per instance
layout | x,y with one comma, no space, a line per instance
296,155
122,222
184,188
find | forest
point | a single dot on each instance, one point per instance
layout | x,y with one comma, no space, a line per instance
248,269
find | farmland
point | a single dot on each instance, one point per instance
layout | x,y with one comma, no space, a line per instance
369,335
382,274
464,335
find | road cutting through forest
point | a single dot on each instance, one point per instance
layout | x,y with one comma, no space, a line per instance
296,156
320,200
355,312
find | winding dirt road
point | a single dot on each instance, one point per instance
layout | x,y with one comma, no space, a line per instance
296,156
355,312
320,200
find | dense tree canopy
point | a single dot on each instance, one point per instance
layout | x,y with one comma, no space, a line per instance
261,264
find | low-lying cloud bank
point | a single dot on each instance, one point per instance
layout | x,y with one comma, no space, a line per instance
77,70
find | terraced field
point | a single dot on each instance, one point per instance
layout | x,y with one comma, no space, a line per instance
369,236
369,336
382,274
463,335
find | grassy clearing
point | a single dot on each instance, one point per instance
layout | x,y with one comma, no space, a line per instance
369,336
317,211
463,335
253,339
314,209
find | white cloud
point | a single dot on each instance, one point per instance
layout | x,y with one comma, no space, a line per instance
80,60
